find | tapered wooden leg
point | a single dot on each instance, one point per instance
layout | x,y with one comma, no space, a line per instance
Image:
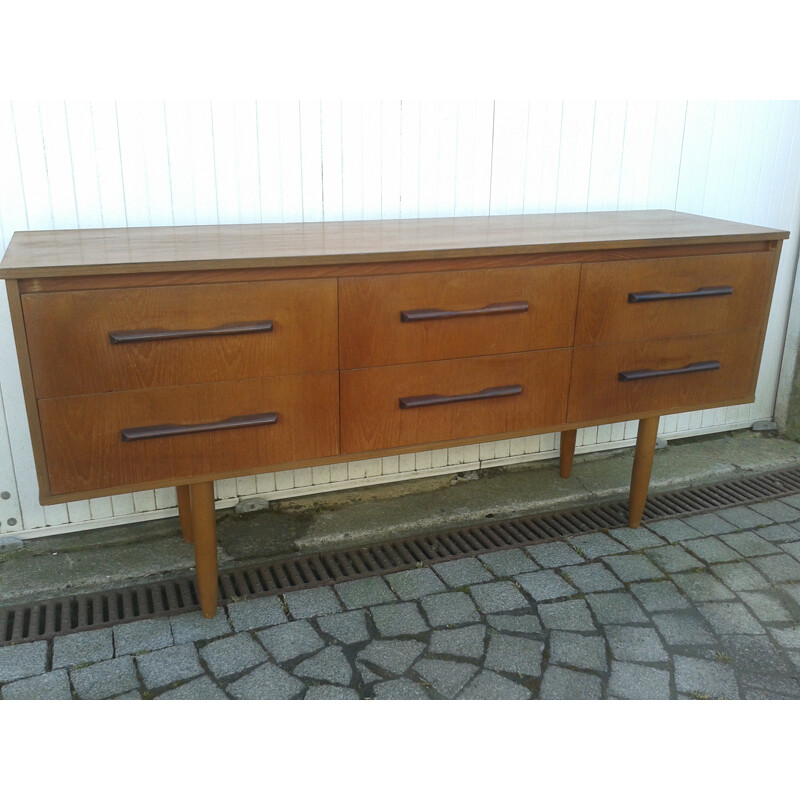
567,452
185,512
204,530
642,466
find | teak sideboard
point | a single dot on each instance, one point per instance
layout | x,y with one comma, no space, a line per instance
172,356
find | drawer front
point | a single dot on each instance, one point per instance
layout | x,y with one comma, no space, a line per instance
497,394
691,381
740,284
85,449
69,335
483,312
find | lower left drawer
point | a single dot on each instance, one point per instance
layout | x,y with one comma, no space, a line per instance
106,441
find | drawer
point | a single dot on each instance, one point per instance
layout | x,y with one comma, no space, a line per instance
448,400
85,450
483,312
741,285
598,392
72,352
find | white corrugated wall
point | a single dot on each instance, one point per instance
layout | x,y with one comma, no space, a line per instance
106,164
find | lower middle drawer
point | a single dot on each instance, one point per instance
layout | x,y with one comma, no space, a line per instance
410,404
170,434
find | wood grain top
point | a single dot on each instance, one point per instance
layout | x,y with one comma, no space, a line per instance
121,250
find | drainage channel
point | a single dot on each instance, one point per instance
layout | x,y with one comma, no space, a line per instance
48,618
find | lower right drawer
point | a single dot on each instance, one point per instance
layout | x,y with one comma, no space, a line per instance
634,379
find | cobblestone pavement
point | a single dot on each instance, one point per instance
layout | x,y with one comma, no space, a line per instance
703,607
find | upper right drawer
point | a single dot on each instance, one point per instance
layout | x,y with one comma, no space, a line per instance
431,316
650,298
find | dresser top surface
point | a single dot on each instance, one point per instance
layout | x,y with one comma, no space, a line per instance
120,250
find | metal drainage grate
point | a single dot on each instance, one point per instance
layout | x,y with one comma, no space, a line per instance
48,618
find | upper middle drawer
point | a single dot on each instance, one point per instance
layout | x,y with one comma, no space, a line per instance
651,298
106,340
402,319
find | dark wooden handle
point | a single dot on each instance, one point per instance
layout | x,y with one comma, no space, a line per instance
708,291
157,334
640,374
423,314
441,399
157,431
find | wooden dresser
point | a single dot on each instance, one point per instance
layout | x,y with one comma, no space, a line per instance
153,357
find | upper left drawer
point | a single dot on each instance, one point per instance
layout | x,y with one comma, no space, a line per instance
106,340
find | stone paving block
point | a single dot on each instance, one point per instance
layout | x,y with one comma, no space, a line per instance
391,656
615,608
400,689
307,603
142,635
554,554
742,517
658,596
466,642
709,524
740,577
672,558
778,568
776,510
291,640
488,685
365,592
134,694
766,687
730,618
367,675
22,660
256,612
629,643
447,678
564,684
513,654
567,615
198,689
411,584
194,627
399,619
330,665
636,682
699,677
792,548
749,544
792,500
786,637
545,585
519,623
449,608
327,692
592,578
463,572
674,530
767,608
683,628
348,627
48,686
576,650
701,587
85,647
779,533
232,654
508,562
498,596
172,664
636,538
105,679
791,590
754,654
633,567
267,682
594,545
711,550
